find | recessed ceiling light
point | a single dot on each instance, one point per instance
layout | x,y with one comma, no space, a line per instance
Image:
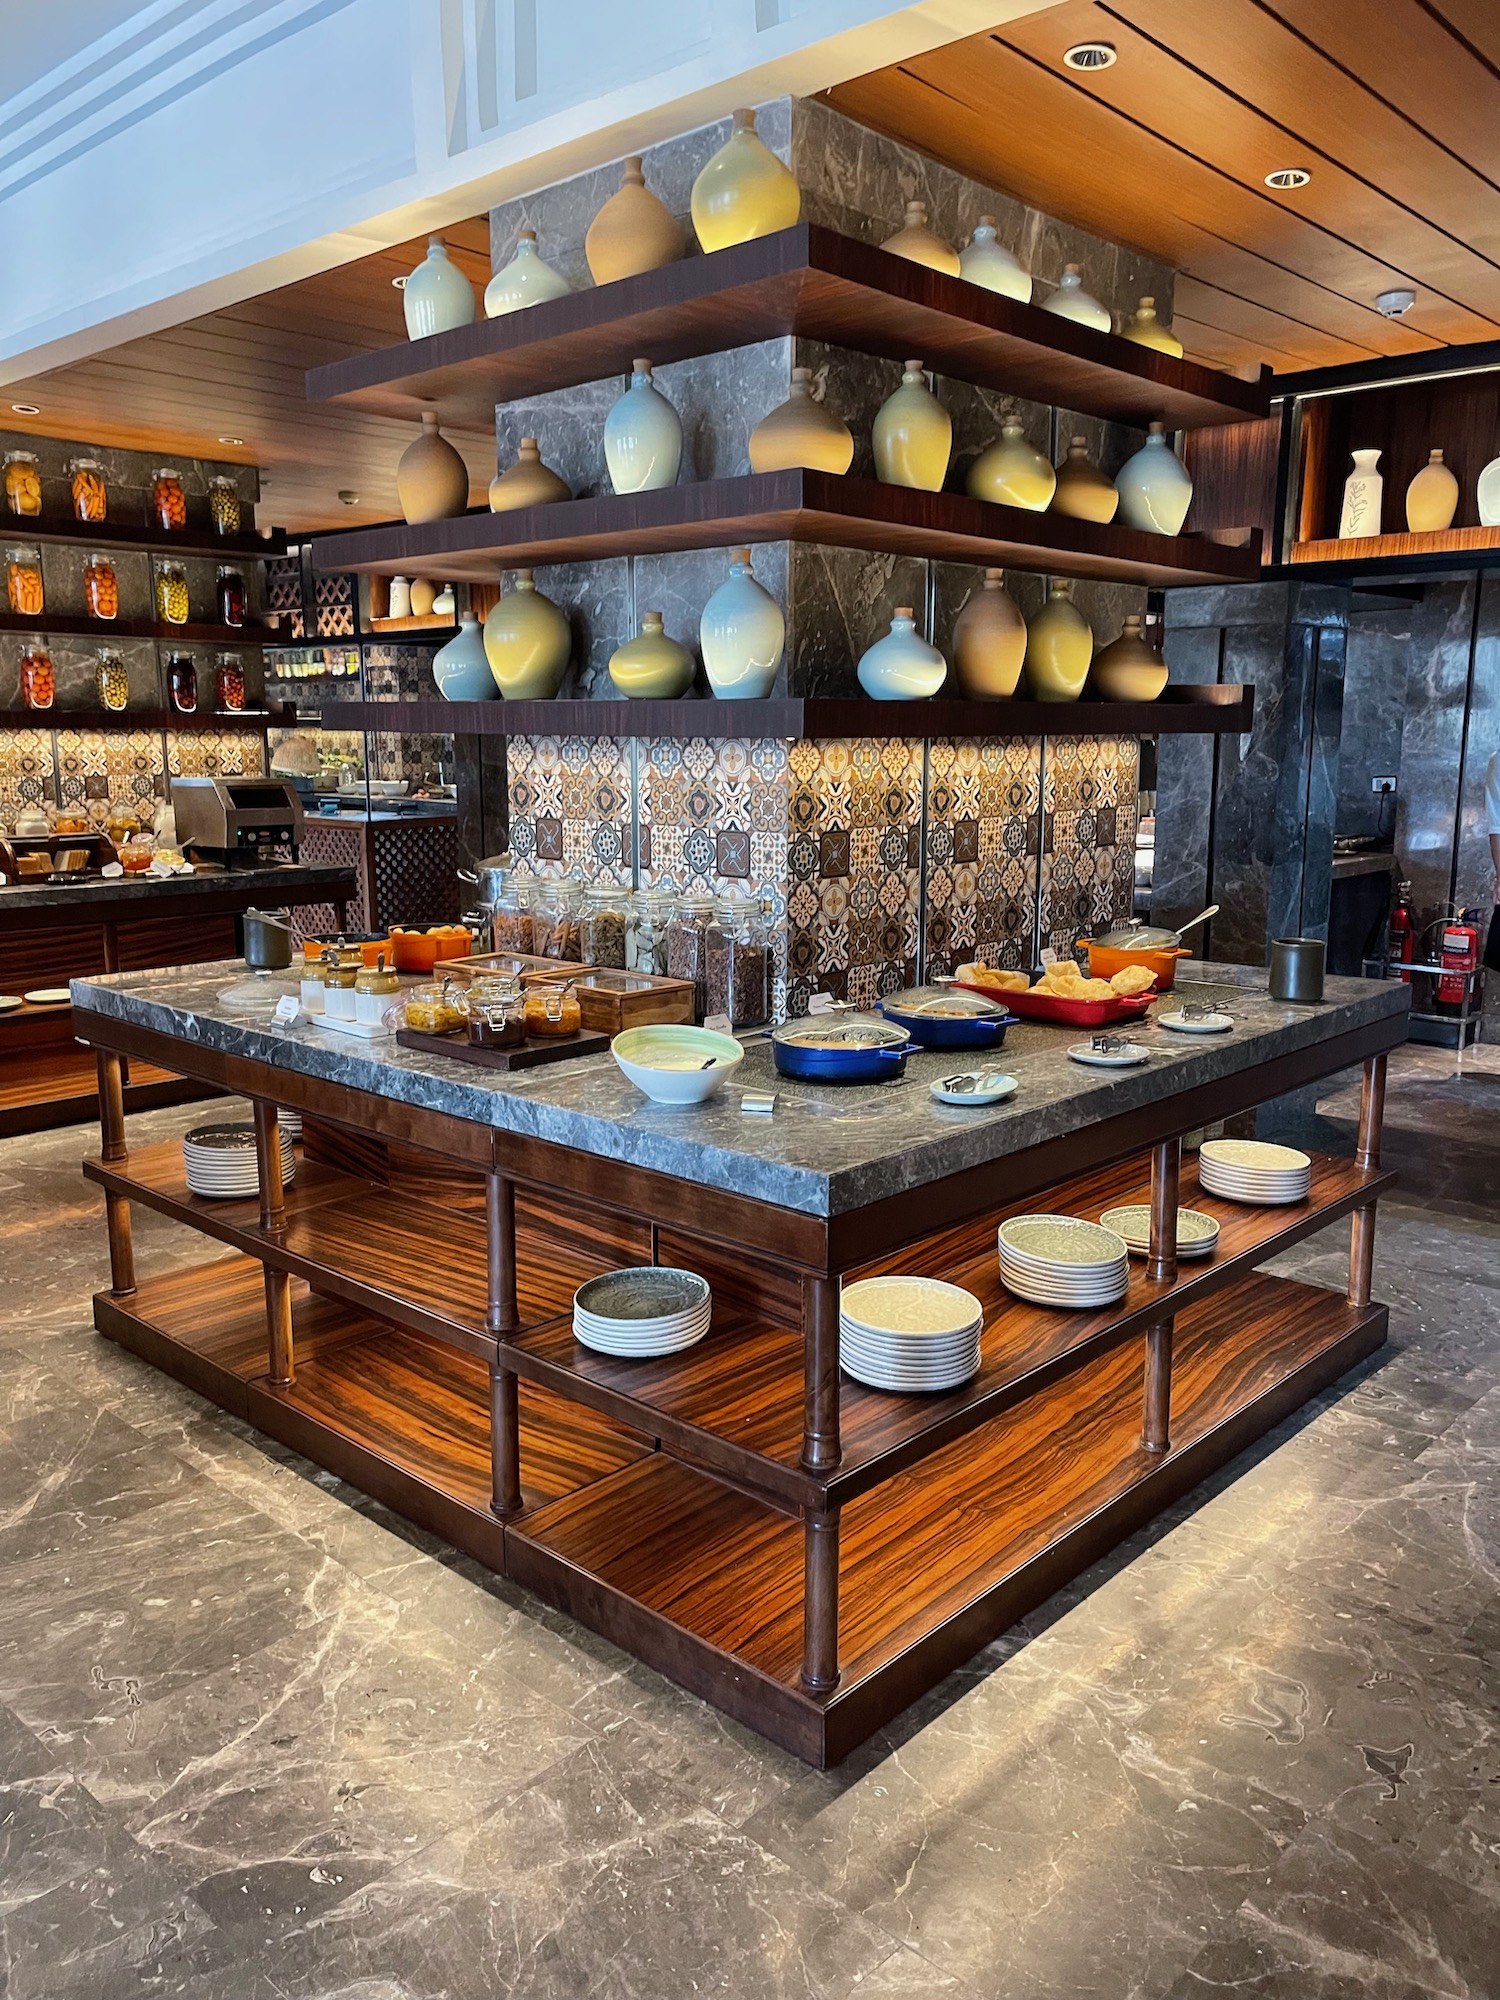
1090,55
230,440
400,283
1288,177
349,498
27,409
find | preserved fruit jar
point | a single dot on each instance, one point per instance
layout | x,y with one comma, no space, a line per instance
168,501
224,505
90,495
101,588
182,683
38,681
229,682
229,587
23,582
23,483
112,681
171,594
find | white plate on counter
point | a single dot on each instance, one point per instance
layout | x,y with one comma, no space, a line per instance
1196,1024
364,1031
974,1087
1130,1057
47,996
9,1002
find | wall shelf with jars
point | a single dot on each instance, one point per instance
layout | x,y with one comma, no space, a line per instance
147,718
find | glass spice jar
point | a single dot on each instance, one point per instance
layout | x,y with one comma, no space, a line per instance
224,505
229,682
554,922
23,582
229,588
171,594
38,681
687,954
23,483
737,963
90,495
646,939
168,501
511,928
101,588
112,681
182,683
602,926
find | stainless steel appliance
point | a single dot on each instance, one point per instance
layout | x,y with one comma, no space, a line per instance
239,821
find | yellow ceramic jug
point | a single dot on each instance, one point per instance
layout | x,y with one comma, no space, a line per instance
1059,647
913,435
744,191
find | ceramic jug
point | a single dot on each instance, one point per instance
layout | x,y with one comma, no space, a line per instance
642,436
1156,488
1146,330
1071,301
527,642
913,435
651,667
801,431
423,597
398,601
902,666
1432,497
1487,495
437,295
1059,647
1013,473
462,668
634,230
527,483
918,243
989,641
1084,493
741,634
1362,495
527,280
744,191
1129,668
985,262
432,481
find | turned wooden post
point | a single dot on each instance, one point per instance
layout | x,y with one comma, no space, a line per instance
268,1166
820,1603
112,1147
820,1396
1156,1421
1166,1172
505,1443
502,1317
281,1370
1367,1156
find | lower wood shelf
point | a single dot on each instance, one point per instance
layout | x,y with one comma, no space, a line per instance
61,1087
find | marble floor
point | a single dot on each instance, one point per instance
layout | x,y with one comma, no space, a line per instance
259,1740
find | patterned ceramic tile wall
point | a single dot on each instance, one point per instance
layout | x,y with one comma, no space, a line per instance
27,771
214,753
983,837
1090,786
571,806
123,765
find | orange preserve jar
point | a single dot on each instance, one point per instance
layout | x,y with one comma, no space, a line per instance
90,495
38,681
553,1010
23,483
23,582
168,501
229,682
101,588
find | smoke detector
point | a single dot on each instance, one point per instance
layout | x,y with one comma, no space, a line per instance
1288,177
1395,305
1090,55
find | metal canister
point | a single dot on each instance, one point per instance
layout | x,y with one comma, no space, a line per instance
1297,970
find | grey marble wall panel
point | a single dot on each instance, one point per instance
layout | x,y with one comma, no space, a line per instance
1244,848
841,602
1476,868
680,584
1375,676
568,425
1307,781
1432,742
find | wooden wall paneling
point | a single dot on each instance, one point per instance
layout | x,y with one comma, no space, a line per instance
1234,478
1312,462
1460,414
143,942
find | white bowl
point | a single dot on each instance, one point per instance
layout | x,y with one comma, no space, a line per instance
667,1062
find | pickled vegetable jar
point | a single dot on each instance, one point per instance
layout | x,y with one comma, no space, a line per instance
168,501
23,483
112,681
182,683
224,505
38,681
553,1010
171,594
90,496
101,588
229,588
229,682
436,1009
23,582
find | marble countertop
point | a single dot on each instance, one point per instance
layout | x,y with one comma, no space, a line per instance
825,1150
288,880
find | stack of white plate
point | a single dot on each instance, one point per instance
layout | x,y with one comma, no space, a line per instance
909,1334
1061,1260
290,1122
643,1310
1247,1170
1197,1233
220,1162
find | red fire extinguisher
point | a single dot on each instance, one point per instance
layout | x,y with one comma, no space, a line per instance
1458,955
1401,933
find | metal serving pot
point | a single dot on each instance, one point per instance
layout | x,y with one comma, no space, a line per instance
268,940
488,878
940,1017
828,1052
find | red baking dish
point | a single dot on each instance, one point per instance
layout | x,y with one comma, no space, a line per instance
1066,1013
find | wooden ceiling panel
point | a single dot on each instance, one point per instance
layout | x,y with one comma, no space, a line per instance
1476,22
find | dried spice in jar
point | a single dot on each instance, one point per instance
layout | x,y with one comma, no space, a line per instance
229,682
511,927
38,681
602,927
168,501
101,588
555,928
112,681
687,953
182,683
171,594
23,483
737,964
229,588
23,582
90,496
224,505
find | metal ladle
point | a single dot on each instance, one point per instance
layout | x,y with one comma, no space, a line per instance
1193,922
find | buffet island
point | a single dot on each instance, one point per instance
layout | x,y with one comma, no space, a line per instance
805,1552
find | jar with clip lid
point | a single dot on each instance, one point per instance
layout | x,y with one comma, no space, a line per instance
89,493
23,582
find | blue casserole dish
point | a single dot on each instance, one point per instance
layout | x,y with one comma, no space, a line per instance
826,1052
940,1017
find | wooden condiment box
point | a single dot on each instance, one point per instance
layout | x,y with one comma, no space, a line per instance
610,1001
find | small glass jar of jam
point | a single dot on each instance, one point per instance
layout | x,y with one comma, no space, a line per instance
496,1026
171,594
229,682
112,681
23,582
224,505
182,683
553,1010
90,496
38,681
23,483
101,588
137,853
229,588
168,501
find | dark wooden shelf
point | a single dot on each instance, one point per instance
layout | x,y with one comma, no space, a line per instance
795,506
1183,710
105,629
806,280
37,1095
146,718
140,535
1452,552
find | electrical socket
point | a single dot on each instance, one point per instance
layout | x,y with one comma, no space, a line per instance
1382,784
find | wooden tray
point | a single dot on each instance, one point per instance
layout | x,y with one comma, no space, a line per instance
610,1001
532,1053
518,963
